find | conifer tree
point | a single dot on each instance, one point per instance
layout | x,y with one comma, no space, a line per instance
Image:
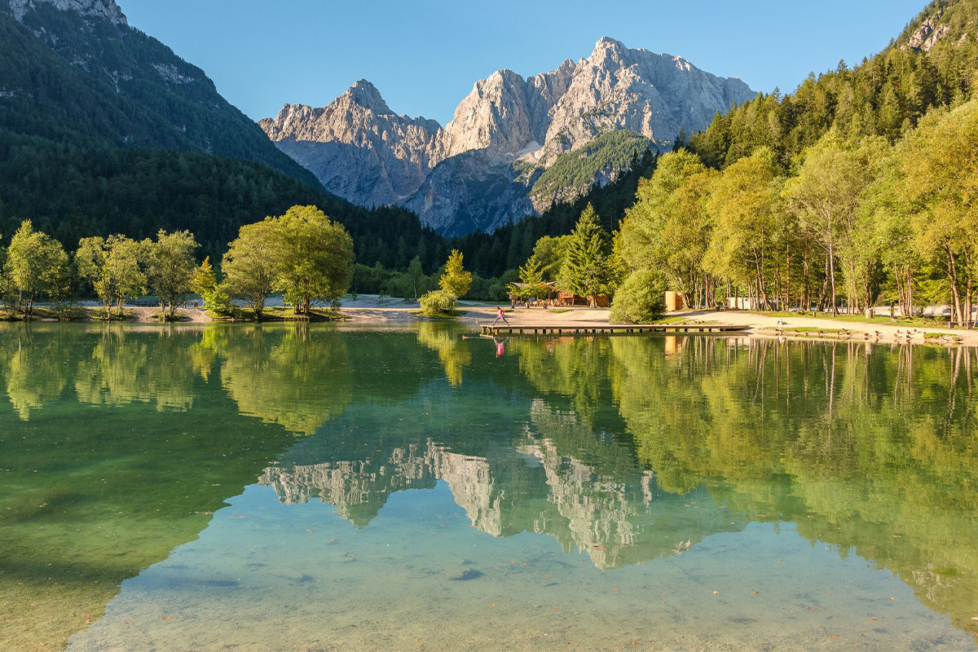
455,279
585,268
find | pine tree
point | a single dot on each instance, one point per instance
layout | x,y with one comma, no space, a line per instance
585,268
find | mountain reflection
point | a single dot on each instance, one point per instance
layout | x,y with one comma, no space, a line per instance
626,448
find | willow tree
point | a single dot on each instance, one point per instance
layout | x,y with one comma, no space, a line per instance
745,204
669,229
940,182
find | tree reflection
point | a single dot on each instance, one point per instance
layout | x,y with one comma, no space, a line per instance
446,341
293,377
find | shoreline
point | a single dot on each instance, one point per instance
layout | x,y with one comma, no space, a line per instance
371,311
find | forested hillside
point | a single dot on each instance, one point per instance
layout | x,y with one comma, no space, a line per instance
104,130
87,81
933,63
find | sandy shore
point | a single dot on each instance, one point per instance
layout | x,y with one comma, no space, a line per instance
372,310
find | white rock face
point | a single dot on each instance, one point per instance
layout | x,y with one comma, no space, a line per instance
361,150
651,94
928,34
107,9
357,146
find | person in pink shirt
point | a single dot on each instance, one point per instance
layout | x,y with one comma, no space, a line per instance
500,315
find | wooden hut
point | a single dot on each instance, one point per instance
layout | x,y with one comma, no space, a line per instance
674,301
567,299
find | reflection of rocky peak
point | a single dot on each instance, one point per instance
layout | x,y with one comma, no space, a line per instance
359,489
598,514
616,521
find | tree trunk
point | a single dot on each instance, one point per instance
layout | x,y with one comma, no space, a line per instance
835,310
952,274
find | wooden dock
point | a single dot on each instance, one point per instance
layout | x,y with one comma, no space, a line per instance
610,329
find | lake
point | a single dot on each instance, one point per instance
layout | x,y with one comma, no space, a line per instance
307,487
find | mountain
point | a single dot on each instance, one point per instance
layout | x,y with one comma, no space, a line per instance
74,71
481,171
104,130
357,146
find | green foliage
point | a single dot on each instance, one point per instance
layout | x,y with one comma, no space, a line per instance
825,198
252,262
456,280
669,229
883,96
215,295
170,268
316,256
36,266
939,181
531,285
744,202
438,303
585,268
640,299
573,173
112,267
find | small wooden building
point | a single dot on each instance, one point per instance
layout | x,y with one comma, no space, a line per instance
571,299
674,301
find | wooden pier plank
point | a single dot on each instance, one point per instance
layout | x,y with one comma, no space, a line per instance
611,329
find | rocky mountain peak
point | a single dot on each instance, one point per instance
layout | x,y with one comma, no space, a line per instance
107,9
606,44
366,95
475,173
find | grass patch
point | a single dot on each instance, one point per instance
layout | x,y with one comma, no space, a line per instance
918,322
559,311
939,336
681,321
286,313
440,316
98,314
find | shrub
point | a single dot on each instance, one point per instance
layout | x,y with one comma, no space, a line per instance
640,299
437,303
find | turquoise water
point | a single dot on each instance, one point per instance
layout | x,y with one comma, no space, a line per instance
316,488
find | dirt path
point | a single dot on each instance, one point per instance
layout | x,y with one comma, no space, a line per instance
889,333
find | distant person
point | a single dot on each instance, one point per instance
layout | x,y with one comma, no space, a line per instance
500,315
500,347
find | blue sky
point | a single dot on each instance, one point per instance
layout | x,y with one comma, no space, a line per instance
424,56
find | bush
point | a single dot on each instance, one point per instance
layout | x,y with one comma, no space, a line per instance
438,303
640,299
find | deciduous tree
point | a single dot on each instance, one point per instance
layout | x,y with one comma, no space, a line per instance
170,268
317,258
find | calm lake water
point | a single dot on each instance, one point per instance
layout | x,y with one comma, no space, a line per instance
315,488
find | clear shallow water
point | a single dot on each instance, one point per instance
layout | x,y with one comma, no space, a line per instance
296,488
